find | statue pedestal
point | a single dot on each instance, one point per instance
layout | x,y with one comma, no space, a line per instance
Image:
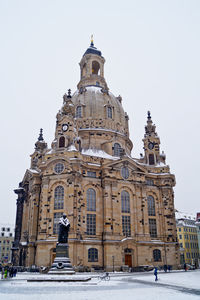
62,264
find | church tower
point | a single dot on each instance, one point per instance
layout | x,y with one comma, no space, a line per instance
121,208
152,144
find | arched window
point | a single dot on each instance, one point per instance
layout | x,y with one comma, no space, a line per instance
79,111
59,197
117,149
151,206
91,200
156,255
61,142
109,112
125,200
151,159
95,67
125,172
92,255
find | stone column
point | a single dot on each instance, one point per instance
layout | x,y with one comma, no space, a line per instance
18,225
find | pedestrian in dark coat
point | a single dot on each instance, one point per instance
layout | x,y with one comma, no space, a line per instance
156,274
185,267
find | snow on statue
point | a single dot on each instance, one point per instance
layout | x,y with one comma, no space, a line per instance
64,226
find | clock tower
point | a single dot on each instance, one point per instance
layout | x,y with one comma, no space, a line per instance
152,144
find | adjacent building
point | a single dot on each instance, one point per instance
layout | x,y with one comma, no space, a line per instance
198,229
121,208
6,240
188,238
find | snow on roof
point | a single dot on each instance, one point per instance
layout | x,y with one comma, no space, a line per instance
96,165
98,153
181,215
34,171
158,164
72,148
94,88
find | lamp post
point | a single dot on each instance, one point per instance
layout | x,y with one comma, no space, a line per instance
113,259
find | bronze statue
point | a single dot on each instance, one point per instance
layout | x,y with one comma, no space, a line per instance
64,226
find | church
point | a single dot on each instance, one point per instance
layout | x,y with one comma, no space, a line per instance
120,208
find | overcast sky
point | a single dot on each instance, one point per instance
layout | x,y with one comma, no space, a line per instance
152,52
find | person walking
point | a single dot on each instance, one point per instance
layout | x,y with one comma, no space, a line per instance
156,273
5,273
2,272
185,267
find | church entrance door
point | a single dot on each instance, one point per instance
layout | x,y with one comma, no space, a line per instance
128,260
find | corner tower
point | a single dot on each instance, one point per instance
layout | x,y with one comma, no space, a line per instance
152,144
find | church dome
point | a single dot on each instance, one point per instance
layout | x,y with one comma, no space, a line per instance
99,118
99,109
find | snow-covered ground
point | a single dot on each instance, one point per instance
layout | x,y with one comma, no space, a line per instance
174,285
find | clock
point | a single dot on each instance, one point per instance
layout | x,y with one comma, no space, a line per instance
65,127
150,145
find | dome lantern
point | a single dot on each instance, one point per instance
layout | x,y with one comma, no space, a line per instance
92,68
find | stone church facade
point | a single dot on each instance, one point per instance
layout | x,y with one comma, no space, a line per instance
121,209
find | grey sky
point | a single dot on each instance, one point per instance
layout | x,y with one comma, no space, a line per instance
152,52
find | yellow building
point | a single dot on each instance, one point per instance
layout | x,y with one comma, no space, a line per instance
188,238
6,240
121,208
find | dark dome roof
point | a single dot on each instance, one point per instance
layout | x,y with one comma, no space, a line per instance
92,50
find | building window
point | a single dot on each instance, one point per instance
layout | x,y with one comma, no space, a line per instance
91,200
78,112
109,112
125,172
180,236
8,229
117,149
10,234
91,174
152,228
125,200
151,206
149,182
92,255
181,245
59,168
156,255
91,224
59,197
151,159
57,217
126,225
179,229
61,142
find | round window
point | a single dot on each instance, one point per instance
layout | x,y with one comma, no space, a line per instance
59,168
125,172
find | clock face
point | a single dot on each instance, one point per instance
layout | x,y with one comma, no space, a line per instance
150,146
65,127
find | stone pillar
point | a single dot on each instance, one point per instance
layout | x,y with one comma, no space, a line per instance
18,225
